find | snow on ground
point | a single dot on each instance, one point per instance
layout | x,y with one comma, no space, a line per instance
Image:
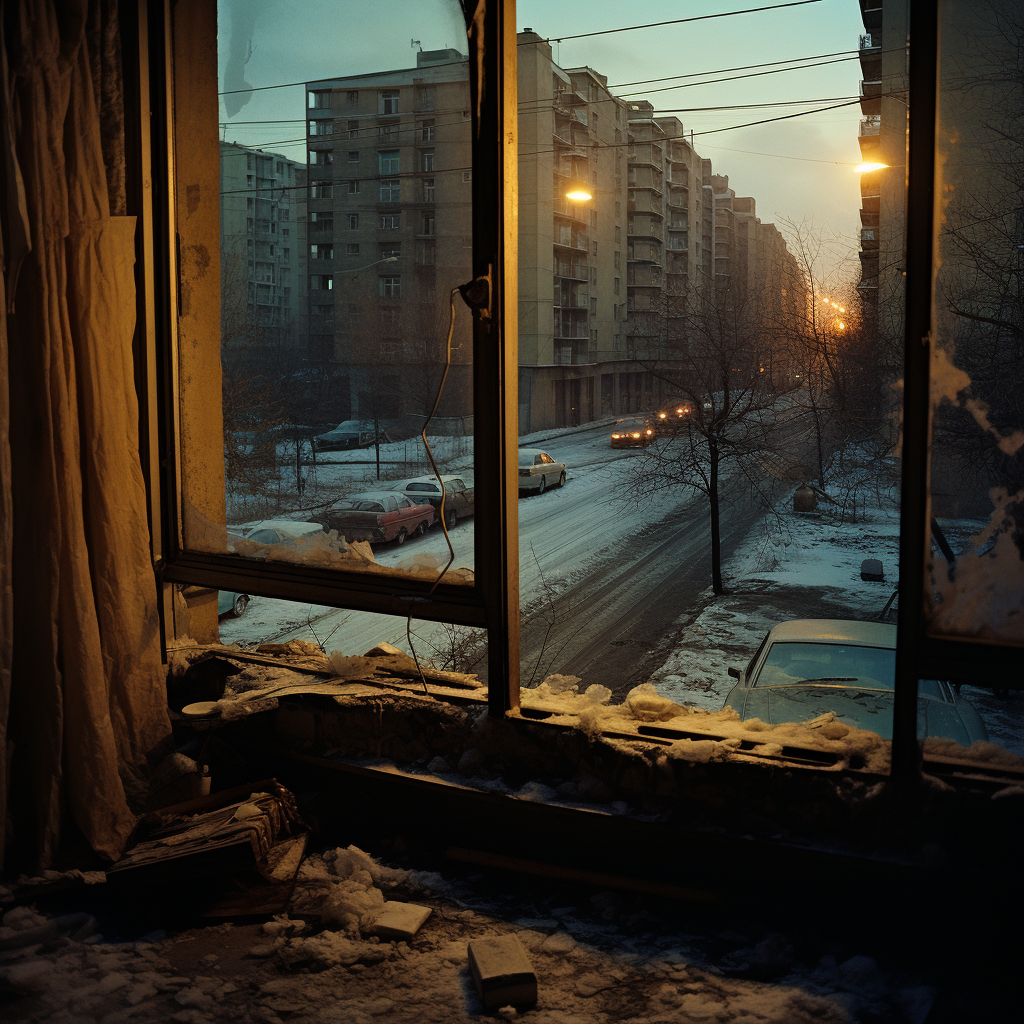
807,565
599,957
561,532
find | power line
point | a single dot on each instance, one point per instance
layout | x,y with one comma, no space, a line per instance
722,71
736,78
674,21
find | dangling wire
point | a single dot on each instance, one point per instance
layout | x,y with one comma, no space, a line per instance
437,473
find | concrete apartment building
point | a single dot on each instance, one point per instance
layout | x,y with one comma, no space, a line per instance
390,227
883,137
262,233
573,359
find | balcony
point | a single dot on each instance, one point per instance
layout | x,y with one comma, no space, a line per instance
643,252
578,241
871,96
571,355
871,14
575,211
572,332
575,271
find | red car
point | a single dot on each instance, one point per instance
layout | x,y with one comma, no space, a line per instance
377,516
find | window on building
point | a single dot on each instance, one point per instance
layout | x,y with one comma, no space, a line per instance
321,127
319,100
388,101
388,132
353,156
427,131
321,190
390,191
618,259
425,97
389,286
615,289
353,129
426,160
352,97
353,221
427,222
352,249
320,251
387,160
390,221
353,186
467,175
428,190
388,252
321,283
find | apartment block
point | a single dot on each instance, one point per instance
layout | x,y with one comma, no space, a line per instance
883,136
262,233
574,364
390,234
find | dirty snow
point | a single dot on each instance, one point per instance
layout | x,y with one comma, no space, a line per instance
599,956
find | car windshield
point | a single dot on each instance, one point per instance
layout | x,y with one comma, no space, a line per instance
632,425
790,663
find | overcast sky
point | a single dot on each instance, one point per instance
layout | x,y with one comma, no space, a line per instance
799,169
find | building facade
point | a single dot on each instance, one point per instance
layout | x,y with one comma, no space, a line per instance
262,235
390,234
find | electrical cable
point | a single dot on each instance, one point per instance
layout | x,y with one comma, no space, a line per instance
437,473
674,21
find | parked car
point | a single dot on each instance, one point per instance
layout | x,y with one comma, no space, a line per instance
378,516
538,471
274,531
671,419
458,497
350,434
632,433
231,603
805,668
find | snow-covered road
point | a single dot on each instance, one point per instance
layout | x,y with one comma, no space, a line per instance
579,545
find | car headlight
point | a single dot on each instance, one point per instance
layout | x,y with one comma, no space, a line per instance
615,437
636,435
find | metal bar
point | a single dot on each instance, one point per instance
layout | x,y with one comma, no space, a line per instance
923,110
495,355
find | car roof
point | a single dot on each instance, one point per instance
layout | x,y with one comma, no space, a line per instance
846,631
533,451
287,526
373,495
431,479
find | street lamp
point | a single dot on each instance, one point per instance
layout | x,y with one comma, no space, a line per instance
578,192
868,167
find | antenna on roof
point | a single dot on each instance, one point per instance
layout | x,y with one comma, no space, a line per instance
416,42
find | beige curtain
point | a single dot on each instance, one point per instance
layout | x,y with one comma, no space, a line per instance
84,685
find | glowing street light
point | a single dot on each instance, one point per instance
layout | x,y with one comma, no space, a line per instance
578,192
867,168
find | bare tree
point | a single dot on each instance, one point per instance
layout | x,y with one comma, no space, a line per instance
725,368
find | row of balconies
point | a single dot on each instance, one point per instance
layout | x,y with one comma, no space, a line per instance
575,271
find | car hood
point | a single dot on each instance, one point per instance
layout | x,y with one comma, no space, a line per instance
863,708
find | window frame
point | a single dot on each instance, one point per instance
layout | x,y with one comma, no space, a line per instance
181,105
182,97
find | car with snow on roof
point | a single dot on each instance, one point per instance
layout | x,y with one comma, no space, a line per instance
377,516
538,471
459,495
807,670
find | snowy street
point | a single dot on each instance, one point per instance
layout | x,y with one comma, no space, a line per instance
590,562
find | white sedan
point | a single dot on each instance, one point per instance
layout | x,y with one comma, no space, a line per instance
538,471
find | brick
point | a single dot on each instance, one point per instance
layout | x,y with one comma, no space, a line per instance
502,972
398,920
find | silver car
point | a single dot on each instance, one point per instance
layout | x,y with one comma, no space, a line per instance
806,668
459,494
538,471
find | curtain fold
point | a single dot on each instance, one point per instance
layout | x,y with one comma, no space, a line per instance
87,711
